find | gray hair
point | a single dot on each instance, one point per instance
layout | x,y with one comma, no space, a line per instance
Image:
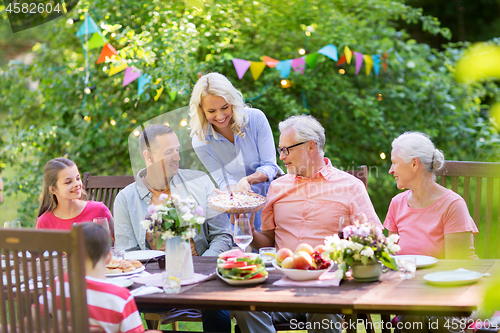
415,144
306,128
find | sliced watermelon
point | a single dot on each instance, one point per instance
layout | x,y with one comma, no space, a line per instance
259,275
232,264
236,253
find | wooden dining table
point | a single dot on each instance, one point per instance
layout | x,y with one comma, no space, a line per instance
389,295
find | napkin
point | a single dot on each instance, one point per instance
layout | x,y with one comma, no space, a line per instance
325,280
156,279
146,290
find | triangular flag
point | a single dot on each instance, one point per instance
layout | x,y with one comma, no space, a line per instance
368,64
359,61
348,54
284,68
158,93
384,61
299,65
88,27
172,94
376,63
330,51
256,68
131,74
311,59
341,61
270,62
96,41
113,69
107,51
143,80
241,66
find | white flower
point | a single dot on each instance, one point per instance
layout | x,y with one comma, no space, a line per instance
145,224
190,233
155,216
356,256
187,217
332,241
163,197
367,252
394,248
339,274
167,234
392,239
358,247
200,220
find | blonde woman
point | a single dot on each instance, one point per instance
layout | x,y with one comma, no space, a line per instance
234,143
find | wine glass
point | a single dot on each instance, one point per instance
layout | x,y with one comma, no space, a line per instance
242,233
102,221
12,224
344,221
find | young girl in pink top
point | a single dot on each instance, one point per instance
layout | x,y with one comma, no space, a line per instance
64,201
429,218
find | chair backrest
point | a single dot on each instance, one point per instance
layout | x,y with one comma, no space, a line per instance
361,174
29,255
467,179
105,188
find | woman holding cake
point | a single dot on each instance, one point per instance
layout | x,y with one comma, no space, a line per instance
235,143
64,200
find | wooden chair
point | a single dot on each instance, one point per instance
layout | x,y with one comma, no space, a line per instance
467,179
20,306
105,188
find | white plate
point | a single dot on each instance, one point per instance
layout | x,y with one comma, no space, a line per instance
422,261
302,274
137,270
143,255
121,282
453,278
241,282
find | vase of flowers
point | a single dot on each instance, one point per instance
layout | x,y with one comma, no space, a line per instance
364,248
175,222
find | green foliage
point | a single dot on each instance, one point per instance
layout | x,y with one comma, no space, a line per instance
175,41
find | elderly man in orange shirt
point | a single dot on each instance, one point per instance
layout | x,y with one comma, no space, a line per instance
304,206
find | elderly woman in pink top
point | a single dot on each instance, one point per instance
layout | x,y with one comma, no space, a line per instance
430,219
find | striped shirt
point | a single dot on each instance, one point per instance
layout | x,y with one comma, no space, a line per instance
110,307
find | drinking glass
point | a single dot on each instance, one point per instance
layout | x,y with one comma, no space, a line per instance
12,224
267,254
242,233
102,221
171,279
118,253
344,221
407,267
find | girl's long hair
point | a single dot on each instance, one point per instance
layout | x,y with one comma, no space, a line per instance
50,177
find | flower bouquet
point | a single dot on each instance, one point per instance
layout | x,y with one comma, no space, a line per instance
175,217
363,242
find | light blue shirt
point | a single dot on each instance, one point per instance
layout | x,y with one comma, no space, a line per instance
132,202
228,162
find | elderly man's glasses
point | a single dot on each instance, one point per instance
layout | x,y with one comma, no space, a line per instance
286,151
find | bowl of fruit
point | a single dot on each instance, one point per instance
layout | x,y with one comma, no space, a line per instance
306,263
238,268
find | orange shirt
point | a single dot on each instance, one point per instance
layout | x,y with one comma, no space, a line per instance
306,210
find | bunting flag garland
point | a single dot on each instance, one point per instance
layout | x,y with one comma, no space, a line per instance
299,65
143,80
330,51
117,69
270,61
311,60
342,60
376,63
256,68
158,91
284,68
368,63
348,54
107,52
241,66
359,61
384,62
131,74
88,27
96,41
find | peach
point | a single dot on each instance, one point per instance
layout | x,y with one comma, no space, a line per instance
305,248
288,263
320,248
302,260
282,255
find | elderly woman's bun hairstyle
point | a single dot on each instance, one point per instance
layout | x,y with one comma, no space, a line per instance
415,144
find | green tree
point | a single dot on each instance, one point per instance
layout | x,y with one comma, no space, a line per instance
175,41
